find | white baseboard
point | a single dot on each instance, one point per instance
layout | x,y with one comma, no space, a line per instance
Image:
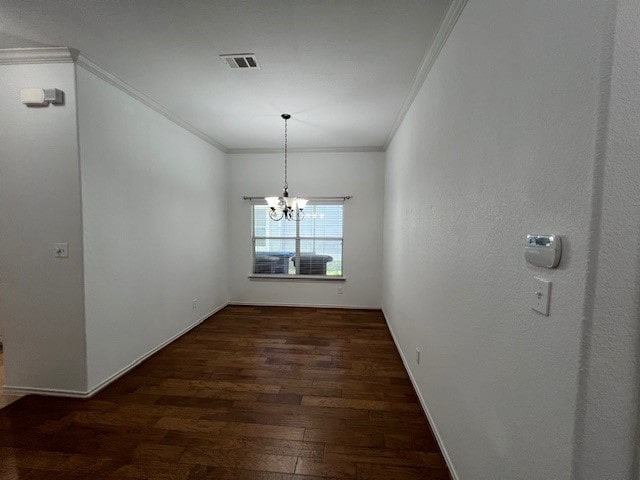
14,390
423,403
304,305
52,392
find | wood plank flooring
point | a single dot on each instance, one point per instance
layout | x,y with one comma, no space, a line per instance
252,393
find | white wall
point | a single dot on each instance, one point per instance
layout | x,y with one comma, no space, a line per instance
609,396
311,174
40,296
154,217
498,143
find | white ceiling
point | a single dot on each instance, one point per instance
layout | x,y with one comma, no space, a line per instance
342,68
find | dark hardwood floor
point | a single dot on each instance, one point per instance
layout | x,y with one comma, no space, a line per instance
252,393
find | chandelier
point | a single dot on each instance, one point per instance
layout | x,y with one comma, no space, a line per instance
285,206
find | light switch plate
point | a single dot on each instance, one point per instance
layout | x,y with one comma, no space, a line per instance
61,250
541,295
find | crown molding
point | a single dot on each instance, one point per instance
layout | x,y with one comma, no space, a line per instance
17,56
117,82
450,19
236,151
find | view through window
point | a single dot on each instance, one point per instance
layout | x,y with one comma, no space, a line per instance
312,246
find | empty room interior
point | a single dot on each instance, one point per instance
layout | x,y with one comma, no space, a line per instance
311,240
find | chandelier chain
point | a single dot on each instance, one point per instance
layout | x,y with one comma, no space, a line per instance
286,183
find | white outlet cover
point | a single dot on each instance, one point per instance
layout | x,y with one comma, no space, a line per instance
540,295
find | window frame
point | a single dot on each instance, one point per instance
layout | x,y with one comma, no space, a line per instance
298,239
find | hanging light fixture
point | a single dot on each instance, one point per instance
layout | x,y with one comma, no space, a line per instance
285,206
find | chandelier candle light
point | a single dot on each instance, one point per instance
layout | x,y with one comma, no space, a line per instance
285,206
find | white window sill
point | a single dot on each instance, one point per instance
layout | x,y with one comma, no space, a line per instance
297,278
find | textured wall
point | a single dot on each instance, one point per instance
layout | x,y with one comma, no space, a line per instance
609,390
41,297
498,143
313,174
155,231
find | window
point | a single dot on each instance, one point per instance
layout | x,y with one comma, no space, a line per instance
312,246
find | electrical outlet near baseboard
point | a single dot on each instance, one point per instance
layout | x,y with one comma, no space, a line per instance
194,304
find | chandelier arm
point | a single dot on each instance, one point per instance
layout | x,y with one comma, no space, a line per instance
275,215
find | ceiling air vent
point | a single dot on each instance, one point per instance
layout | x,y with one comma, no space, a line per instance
241,60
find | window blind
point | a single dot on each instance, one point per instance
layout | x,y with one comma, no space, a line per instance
312,246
